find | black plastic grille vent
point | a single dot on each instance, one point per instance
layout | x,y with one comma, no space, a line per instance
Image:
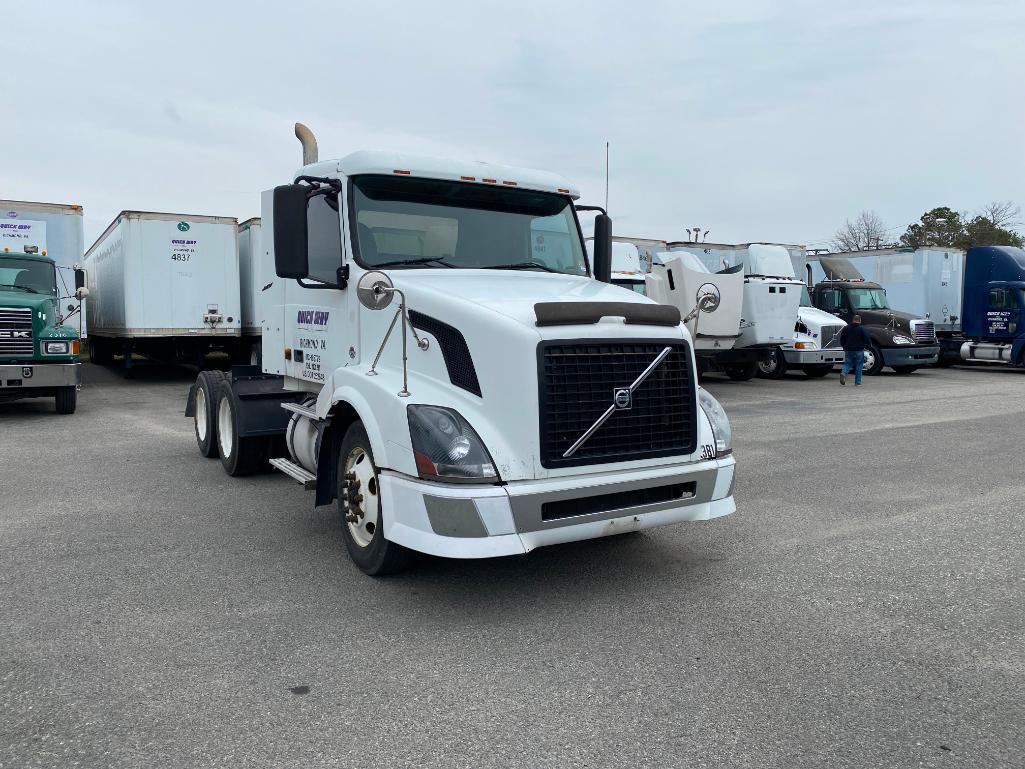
453,349
576,384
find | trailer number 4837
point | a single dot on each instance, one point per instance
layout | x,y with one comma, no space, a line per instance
180,257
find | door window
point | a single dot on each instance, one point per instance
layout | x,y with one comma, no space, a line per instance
324,241
832,299
1002,299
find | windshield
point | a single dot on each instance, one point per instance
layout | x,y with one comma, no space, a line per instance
634,285
867,299
28,275
430,223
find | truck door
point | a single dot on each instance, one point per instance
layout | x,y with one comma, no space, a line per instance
833,300
1003,312
318,327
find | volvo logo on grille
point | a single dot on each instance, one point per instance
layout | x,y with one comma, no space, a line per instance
623,399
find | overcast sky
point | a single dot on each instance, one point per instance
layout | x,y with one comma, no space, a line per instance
769,121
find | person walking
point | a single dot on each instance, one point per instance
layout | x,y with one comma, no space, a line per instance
855,340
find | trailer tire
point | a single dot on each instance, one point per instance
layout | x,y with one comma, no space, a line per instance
773,367
99,351
359,508
817,370
208,390
66,400
239,456
741,372
873,360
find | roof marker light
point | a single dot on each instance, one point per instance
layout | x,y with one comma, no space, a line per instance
468,178
399,171
562,189
490,181
509,184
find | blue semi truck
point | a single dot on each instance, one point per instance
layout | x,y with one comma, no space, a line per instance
974,298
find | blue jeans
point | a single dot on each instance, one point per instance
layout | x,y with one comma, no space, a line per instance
853,360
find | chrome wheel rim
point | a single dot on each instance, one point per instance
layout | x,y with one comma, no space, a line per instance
870,360
768,367
361,500
225,435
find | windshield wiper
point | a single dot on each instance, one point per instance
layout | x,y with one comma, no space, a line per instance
23,288
424,260
521,266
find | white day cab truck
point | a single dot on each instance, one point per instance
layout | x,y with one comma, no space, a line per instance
453,390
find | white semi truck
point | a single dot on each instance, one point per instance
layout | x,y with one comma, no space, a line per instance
772,297
453,389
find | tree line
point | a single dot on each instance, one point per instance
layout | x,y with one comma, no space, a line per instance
994,225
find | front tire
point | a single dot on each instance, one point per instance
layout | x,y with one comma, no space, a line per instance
873,360
741,372
904,370
359,508
66,400
773,367
818,370
239,456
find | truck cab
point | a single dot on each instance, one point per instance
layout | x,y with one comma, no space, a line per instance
38,352
899,340
993,307
443,366
815,348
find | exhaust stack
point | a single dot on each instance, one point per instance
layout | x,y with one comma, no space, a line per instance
309,142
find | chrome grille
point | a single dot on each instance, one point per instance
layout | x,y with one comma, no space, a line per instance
15,331
577,383
923,330
831,336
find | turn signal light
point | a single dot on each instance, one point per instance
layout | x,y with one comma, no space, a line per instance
75,347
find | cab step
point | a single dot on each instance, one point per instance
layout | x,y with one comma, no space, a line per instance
300,474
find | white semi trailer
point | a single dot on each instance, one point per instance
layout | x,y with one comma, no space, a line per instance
165,287
452,388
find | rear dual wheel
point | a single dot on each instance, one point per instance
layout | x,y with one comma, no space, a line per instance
741,372
239,456
208,388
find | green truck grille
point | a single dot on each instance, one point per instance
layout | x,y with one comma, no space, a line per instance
15,331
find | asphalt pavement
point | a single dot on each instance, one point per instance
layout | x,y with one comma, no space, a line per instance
863,607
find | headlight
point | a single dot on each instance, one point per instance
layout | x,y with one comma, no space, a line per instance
721,430
804,346
55,348
446,448
898,339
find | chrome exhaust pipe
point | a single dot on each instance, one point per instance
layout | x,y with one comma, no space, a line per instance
309,142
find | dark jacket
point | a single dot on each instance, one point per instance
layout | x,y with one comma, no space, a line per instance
854,338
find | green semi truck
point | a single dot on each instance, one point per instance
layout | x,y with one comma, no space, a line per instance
38,348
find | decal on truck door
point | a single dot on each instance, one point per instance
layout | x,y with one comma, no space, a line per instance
310,343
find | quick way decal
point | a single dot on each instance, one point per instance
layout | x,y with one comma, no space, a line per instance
183,226
312,317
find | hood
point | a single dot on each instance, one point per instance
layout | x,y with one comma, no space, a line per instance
15,298
818,317
507,293
882,318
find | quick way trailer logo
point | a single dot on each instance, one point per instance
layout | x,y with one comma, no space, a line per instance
183,226
312,317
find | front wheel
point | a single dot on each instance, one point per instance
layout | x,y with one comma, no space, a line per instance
741,372
773,367
873,360
66,400
359,507
905,369
816,370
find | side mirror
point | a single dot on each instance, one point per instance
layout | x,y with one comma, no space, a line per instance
79,279
603,248
291,254
375,290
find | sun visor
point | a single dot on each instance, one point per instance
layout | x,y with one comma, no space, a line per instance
839,268
769,261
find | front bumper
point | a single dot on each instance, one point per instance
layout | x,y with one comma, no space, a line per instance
35,376
909,355
812,357
462,521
